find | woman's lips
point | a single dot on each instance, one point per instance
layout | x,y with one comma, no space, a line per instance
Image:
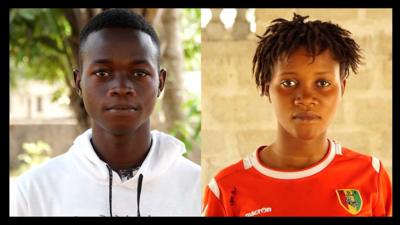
306,116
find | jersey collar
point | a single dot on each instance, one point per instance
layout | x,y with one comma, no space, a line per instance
254,161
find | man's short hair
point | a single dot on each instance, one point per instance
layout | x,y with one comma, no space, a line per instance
118,18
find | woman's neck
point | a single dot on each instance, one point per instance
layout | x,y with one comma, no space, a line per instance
291,153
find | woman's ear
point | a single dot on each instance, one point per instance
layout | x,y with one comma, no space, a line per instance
162,75
267,92
77,80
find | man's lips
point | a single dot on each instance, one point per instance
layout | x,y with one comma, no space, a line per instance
122,107
308,116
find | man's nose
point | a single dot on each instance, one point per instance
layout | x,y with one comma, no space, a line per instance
122,85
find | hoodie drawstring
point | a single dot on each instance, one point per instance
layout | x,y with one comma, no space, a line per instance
139,189
110,188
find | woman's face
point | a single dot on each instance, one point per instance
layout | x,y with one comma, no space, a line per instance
305,93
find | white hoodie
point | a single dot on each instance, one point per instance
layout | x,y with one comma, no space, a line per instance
77,183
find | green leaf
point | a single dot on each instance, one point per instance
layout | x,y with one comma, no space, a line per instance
27,14
36,41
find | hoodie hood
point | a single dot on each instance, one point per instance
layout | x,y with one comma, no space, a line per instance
79,183
157,161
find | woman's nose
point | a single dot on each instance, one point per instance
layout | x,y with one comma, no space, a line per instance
305,96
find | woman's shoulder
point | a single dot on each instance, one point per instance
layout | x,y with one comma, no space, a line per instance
358,158
232,172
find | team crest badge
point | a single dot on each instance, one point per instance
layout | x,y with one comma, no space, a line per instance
350,199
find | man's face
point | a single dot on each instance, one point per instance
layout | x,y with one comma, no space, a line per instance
119,80
305,94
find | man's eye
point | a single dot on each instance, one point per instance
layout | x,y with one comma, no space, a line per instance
139,74
323,83
288,83
102,74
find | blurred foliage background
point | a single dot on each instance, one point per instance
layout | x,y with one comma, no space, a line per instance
43,46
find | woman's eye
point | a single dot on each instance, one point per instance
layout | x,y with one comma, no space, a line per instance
102,74
288,83
323,83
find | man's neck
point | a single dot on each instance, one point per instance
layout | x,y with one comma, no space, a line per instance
122,151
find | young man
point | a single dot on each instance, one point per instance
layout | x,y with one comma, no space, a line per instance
302,68
118,167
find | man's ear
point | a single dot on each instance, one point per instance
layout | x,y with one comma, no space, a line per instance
162,76
77,80
343,85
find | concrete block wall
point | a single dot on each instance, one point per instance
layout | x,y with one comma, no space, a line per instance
236,120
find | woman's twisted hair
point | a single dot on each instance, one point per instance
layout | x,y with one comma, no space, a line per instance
283,37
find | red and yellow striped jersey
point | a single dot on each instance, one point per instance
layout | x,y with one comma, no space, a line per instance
343,183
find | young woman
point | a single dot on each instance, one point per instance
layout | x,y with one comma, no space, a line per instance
302,68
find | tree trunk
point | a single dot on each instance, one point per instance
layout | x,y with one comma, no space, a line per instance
77,19
172,60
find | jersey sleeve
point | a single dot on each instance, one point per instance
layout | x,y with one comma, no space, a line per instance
212,205
384,204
